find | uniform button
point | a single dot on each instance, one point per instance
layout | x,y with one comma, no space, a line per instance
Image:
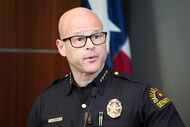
83,106
116,73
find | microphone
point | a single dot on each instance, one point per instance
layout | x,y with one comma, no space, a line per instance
87,114
87,119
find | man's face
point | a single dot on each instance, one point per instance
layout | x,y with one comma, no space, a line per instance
87,59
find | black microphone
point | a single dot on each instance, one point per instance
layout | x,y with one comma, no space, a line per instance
87,119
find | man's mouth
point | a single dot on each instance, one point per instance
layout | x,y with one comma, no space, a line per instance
91,59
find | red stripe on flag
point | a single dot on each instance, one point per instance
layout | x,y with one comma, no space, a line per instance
123,63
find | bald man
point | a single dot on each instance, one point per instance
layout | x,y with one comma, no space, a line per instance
86,56
92,94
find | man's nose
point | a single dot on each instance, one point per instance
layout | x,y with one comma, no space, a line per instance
89,44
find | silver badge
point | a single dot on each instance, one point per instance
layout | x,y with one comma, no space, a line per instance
114,108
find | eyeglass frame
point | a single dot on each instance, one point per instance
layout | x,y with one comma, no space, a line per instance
89,36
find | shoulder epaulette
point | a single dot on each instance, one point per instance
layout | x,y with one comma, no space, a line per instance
125,76
60,79
120,75
56,82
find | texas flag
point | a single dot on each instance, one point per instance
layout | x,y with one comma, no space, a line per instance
111,12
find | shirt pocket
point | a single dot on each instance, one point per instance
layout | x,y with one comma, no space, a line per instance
110,122
56,124
114,123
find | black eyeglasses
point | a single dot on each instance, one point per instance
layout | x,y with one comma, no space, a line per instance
79,41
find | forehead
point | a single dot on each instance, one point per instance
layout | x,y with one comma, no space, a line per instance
82,27
83,22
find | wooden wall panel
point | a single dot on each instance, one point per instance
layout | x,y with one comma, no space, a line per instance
23,77
26,26
31,24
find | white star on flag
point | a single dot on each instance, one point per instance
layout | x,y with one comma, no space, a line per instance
100,8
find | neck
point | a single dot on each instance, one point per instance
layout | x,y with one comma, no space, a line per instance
83,79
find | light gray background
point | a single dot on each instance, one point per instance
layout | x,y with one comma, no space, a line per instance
160,41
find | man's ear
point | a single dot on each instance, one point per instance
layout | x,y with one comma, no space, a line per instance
61,47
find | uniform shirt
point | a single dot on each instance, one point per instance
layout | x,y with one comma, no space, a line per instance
111,100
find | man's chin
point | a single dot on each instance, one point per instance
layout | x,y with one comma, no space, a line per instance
92,69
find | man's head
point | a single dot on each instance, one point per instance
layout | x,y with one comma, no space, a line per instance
82,57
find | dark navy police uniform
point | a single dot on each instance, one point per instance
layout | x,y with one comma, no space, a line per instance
111,100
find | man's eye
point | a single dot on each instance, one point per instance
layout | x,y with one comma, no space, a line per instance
79,38
97,36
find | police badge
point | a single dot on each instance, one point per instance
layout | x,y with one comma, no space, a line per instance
114,108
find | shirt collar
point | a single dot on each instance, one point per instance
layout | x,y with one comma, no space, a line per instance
99,82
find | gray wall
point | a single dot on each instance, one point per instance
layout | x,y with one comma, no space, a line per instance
160,41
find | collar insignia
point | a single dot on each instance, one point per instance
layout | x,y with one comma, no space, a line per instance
103,76
114,108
